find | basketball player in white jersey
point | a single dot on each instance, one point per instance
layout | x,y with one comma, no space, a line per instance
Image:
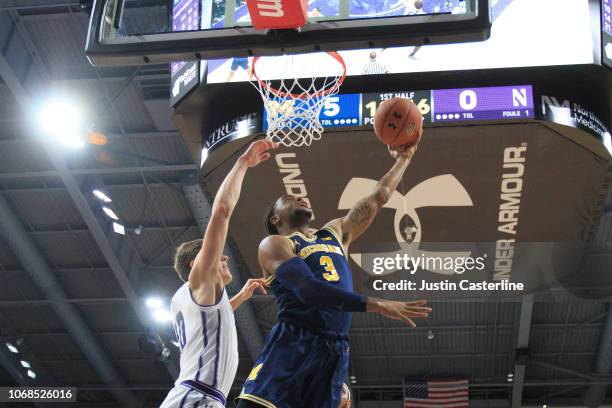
202,312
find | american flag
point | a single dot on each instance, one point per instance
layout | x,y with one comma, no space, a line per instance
436,393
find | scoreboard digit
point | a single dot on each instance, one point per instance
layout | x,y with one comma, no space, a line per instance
341,110
371,101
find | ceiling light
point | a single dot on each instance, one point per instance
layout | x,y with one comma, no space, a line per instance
118,228
31,374
161,315
61,120
154,303
110,213
101,196
25,364
12,348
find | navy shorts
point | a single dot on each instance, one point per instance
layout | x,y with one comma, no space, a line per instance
298,369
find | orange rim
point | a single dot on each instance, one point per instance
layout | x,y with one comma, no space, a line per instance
318,94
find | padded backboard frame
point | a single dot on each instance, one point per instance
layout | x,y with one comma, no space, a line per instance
103,49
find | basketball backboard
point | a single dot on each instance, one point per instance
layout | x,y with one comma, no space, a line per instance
135,32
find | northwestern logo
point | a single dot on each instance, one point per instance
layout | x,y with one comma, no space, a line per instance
519,97
559,112
270,8
551,102
439,191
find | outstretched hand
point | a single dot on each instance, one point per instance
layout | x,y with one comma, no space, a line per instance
404,311
249,288
406,151
247,291
258,152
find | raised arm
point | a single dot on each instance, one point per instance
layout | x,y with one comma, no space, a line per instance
206,264
359,218
277,258
247,292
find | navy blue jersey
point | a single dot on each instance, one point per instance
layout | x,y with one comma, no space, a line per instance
305,358
326,259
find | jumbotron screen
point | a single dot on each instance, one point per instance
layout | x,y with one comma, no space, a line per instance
524,33
357,9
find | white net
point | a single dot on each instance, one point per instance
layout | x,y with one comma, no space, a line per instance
294,96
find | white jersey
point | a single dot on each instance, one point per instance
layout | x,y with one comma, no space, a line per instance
209,350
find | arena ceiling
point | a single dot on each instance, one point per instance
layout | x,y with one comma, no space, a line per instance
143,170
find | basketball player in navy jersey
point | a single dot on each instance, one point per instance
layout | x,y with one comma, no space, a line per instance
202,311
305,358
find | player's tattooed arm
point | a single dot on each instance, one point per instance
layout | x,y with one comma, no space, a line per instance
206,264
362,214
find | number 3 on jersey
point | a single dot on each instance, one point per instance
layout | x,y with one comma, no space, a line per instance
330,275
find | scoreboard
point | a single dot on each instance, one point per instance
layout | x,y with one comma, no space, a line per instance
606,32
437,106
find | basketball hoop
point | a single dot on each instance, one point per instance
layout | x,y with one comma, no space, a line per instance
294,96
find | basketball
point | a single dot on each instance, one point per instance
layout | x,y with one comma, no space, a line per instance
398,122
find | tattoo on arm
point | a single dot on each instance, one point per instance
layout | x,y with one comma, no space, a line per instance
361,214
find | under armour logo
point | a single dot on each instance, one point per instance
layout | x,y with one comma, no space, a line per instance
439,191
